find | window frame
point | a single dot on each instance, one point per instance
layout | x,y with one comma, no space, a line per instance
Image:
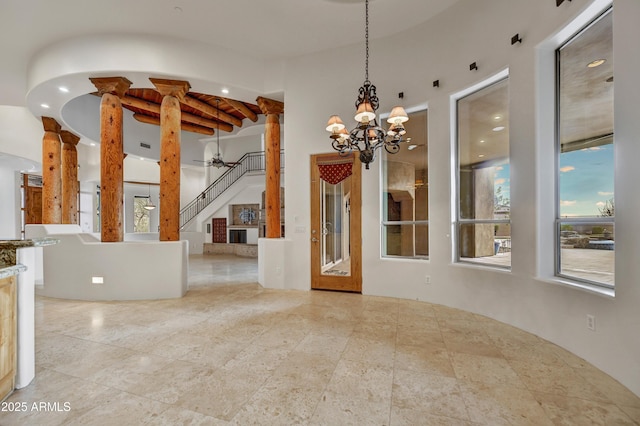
457,221
422,222
559,221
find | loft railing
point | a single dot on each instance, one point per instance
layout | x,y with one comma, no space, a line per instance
250,162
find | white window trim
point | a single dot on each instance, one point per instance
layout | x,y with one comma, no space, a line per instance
545,79
383,223
453,145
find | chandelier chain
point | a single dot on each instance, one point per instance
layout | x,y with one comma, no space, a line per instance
218,128
366,39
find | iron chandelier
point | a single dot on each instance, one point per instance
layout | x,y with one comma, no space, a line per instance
368,136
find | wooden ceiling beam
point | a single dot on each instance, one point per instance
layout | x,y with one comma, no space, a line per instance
242,109
210,110
186,117
184,126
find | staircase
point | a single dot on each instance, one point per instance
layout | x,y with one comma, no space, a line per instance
250,162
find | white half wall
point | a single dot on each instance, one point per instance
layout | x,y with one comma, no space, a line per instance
123,271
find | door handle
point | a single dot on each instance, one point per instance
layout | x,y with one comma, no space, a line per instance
314,239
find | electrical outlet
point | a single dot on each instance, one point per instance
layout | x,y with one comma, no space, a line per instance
427,279
591,322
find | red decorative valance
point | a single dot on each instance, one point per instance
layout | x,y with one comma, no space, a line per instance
335,172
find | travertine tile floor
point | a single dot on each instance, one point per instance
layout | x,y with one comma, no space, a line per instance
231,352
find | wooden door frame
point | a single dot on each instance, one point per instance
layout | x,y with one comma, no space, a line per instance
352,282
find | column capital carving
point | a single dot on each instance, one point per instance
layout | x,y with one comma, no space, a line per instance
50,125
177,88
270,106
114,85
68,137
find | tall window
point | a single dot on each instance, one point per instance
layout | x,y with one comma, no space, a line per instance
483,224
585,177
405,196
141,220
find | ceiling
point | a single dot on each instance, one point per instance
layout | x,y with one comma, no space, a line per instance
258,29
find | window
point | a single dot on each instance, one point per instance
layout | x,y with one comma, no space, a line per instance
405,194
483,224
141,222
585,156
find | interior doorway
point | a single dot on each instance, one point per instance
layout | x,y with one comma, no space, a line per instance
336,253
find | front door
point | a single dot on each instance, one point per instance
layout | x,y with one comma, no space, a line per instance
336,237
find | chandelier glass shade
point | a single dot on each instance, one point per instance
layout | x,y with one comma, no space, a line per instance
367,136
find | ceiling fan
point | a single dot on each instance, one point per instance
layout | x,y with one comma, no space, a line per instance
217,161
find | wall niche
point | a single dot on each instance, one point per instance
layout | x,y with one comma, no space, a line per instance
244,215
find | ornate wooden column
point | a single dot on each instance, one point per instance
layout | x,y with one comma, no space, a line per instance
272,109
111,157
69,177
51,174
173,92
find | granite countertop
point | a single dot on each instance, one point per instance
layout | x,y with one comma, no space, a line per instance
8,249
9,271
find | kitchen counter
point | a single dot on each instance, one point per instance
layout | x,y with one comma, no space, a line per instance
17,257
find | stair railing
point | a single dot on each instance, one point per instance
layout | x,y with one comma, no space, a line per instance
250,162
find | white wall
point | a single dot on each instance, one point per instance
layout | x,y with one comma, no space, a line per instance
10,205
21,137
158,269
20,133
526,297
192,183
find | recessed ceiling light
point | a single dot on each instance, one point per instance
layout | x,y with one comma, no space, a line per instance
63,89
482,141
45,106
596,63
225,91
497,117
92,144
498,129
481,155
412,147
